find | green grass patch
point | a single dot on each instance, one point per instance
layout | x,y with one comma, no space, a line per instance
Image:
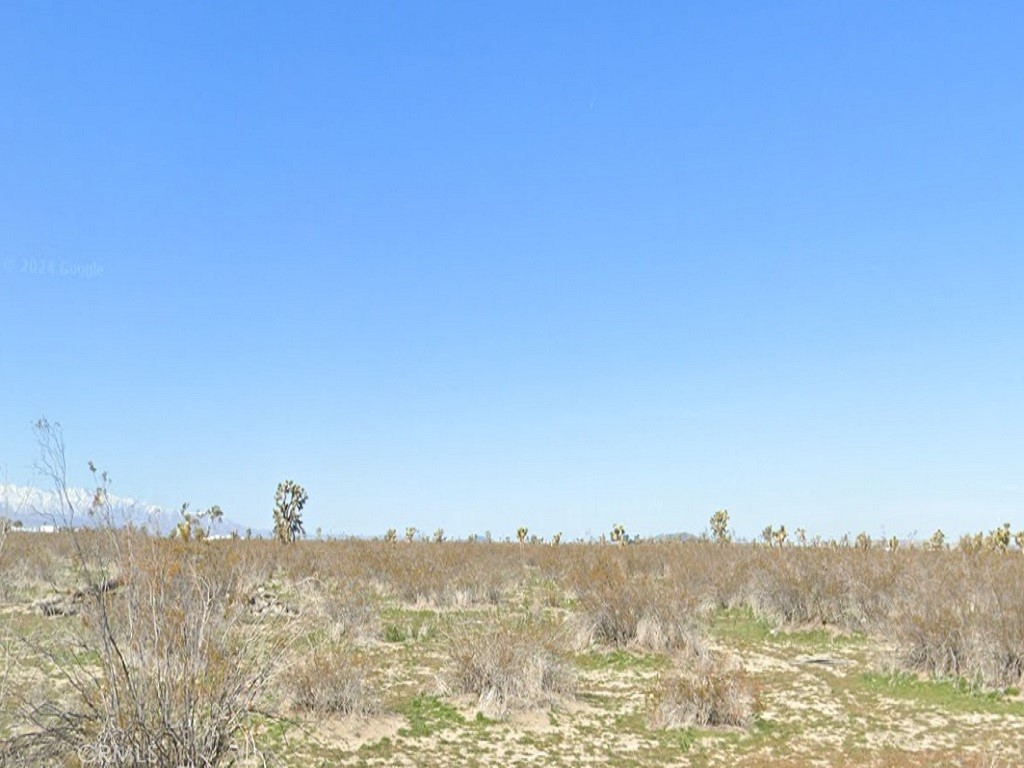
381,750
621,661
63,657
820,638
741,625
405,626
682,739
428,715
949,695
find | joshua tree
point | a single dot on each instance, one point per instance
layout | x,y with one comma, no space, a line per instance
192,523
556,539
619,534
720,527
410,533
391,536
971,543
521,534
999,538
289,500
439,535
774,537
938,540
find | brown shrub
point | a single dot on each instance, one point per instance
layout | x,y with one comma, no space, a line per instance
349,615
167,667
452,573
508,666
622,603
332,680
704,690
961,616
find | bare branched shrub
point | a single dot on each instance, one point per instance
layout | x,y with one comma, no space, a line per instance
6,571
6,665
508,667
168,666
704,690
164,664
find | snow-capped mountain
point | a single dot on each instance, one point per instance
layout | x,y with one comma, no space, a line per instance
37,506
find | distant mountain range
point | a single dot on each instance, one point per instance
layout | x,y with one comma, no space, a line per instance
682,536
35,506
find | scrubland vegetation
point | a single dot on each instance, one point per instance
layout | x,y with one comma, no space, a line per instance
121,648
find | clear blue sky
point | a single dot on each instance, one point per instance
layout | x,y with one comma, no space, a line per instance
479,265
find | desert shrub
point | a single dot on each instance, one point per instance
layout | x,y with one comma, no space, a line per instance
959,615
252,562
449,573
332,680
949,613
703,690
7,644
507,667
168,665
625,601
873,580
707,573
800,586
6,572
931,637
349,614
33,563
850,588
